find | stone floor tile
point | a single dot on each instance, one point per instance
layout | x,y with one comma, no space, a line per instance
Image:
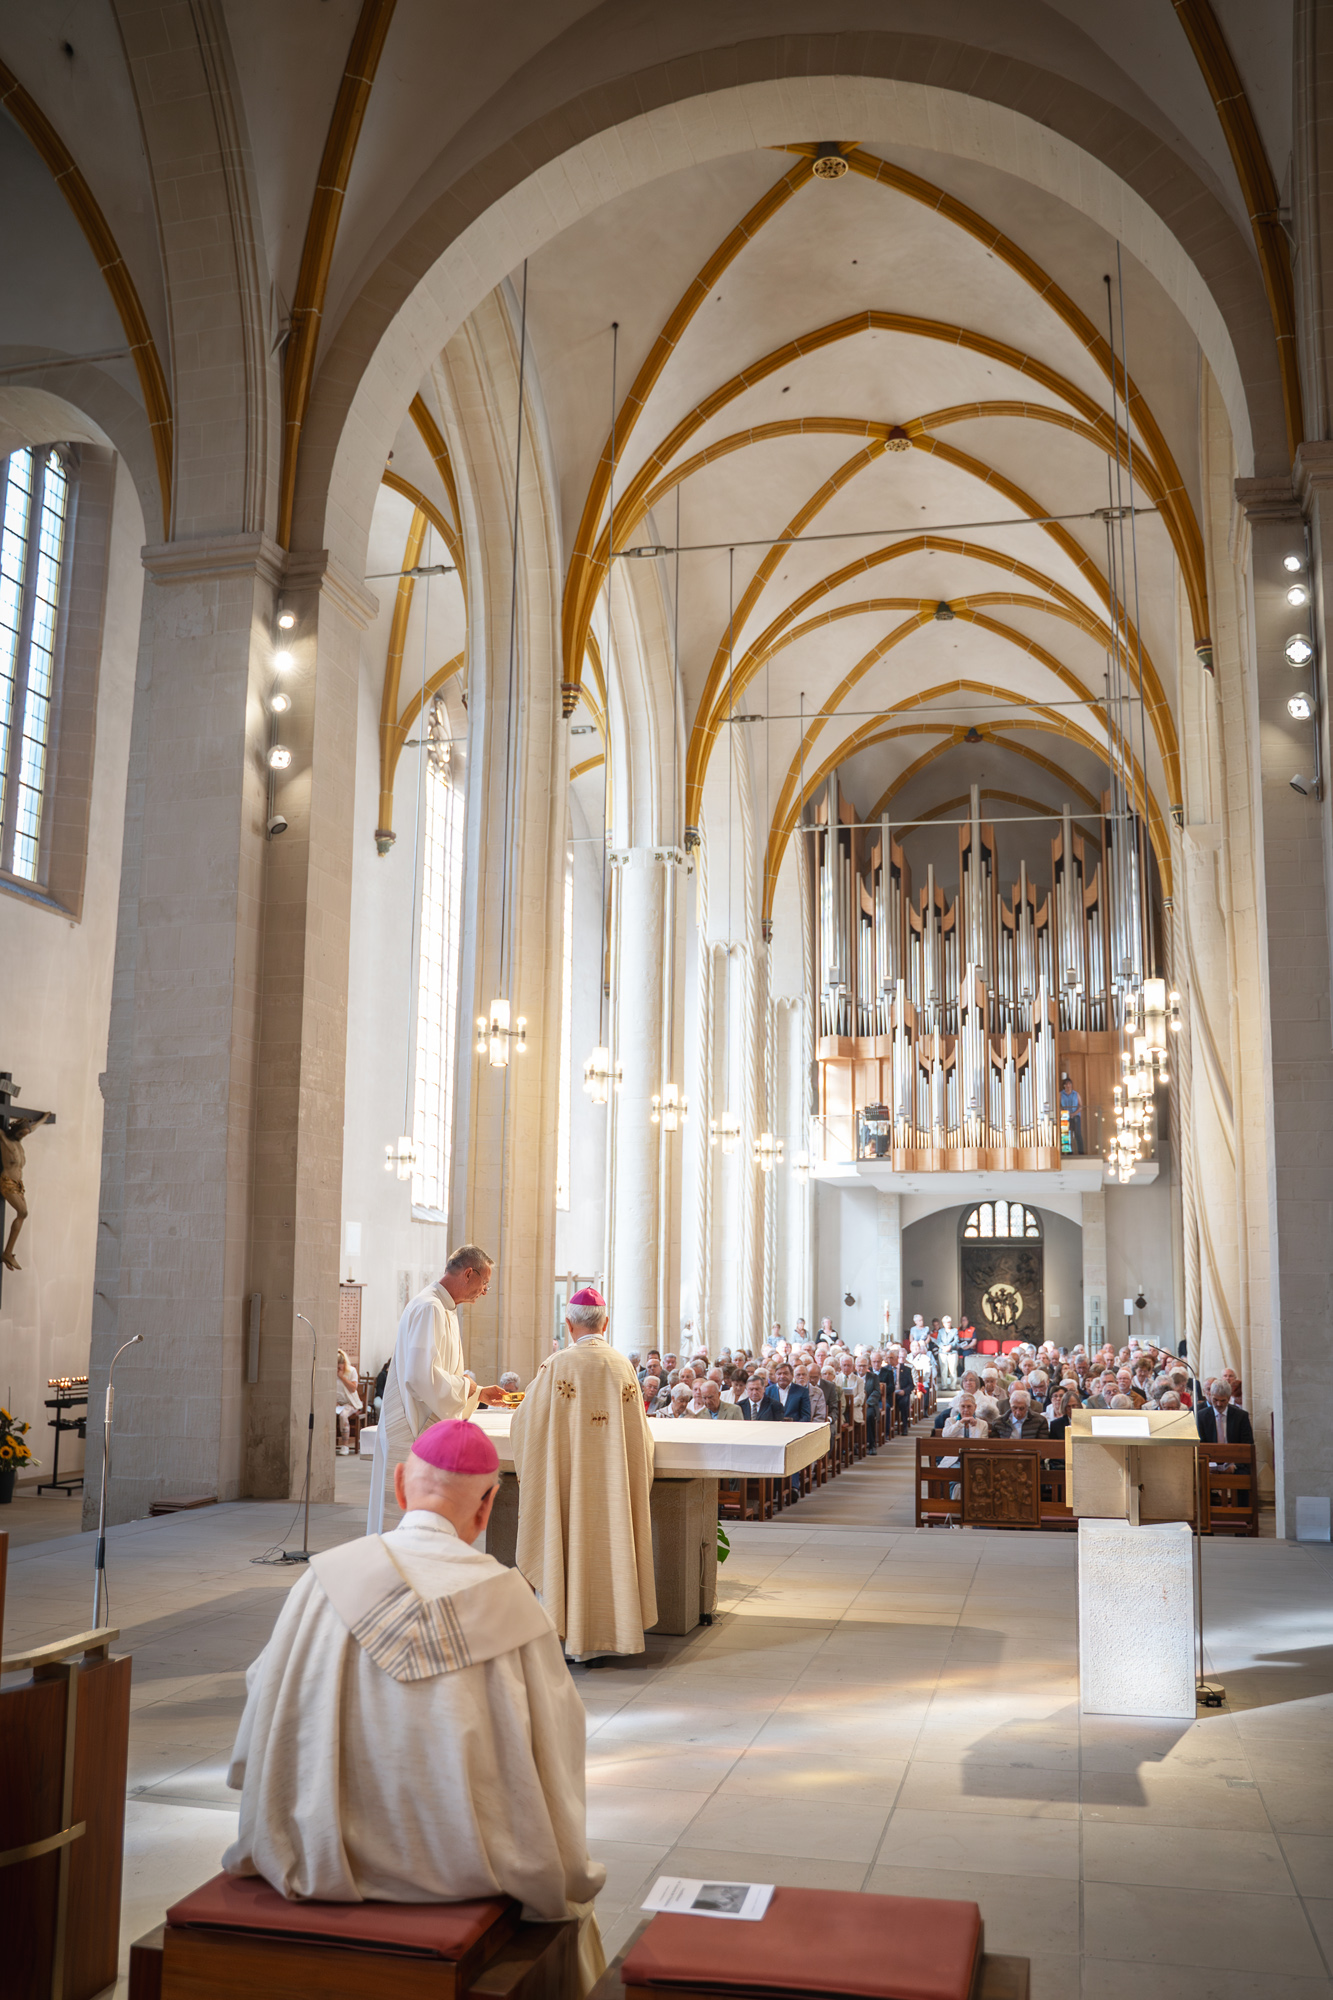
1267,1934
1206,1859
777,1770
1310,1859
972,1786
846,1831
640,1814
657,1766
992,1844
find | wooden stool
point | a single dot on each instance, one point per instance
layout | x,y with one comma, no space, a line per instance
887,1948
237,1935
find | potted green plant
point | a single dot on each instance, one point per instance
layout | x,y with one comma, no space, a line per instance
14,1452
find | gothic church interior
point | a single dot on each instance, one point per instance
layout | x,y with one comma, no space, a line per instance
687,643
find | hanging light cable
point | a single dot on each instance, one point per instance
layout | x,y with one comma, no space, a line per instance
494,1034
670,1108
400,1155
600,1075
768,1147
725,1131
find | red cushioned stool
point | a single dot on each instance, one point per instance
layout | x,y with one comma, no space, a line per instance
835,1945
237,1935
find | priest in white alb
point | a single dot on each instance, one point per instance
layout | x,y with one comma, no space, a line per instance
583,1453
411,1733
426,1380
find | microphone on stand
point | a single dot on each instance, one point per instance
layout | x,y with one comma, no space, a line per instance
99,1561
302,1554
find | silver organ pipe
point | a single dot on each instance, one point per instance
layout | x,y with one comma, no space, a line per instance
962,1002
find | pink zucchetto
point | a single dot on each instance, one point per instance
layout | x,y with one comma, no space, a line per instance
457,1446
589,1296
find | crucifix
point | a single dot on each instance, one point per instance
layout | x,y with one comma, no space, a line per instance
17,1121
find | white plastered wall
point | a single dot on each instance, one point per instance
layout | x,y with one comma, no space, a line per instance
55,1036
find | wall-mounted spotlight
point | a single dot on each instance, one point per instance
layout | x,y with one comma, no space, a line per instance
279,757
282,659
1300,708
280,704
286,621
1293,564
1298,650
1301,785
1298,594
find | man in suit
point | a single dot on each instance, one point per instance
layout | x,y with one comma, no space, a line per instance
1022,1421
714,1409
753,1405
903,1382
1219,1421
788,1403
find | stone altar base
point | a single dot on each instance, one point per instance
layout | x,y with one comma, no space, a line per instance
684,1515
1136,1629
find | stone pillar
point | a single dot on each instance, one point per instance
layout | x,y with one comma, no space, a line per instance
1298,1050
222,1142
1094,1268
636,1250
889,1262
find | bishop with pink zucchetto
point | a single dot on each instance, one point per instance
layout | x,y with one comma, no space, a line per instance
411,1733
583,1453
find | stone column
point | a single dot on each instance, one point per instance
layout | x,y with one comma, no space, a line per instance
1298,1050
889,1261
222,1143
636,1250
1094,1267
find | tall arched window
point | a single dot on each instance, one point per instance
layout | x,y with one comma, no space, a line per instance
32,542
438,973
1002,1221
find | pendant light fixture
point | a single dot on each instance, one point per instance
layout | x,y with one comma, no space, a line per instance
1149,1013
401,1154
496,1032
725,1131
670,1109
600,1075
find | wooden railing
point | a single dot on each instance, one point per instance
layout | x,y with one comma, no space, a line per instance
1020,1483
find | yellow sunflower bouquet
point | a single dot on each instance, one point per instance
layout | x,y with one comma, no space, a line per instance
15,1451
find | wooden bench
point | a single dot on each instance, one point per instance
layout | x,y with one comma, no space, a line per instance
236,1935
1020,1483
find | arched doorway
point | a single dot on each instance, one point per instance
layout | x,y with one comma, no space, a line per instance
1002,1273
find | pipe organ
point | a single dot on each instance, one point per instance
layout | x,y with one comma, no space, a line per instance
946,1023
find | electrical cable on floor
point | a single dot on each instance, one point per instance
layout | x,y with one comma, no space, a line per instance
273,1556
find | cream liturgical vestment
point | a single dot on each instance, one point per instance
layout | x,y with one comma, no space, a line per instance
411,1735
425,1383
584,1458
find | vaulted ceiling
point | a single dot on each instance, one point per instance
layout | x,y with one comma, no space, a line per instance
884,411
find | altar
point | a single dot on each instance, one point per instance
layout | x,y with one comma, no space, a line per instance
689,1457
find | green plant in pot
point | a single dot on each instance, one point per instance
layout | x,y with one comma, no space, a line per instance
14,1452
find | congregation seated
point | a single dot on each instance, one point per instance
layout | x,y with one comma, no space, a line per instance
411,1732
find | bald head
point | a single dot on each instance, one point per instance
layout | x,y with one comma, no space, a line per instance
464,1499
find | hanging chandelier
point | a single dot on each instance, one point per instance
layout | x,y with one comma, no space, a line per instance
601,1076
670,1109
495,1034
400,1156
725,1132
800,1168
767,1152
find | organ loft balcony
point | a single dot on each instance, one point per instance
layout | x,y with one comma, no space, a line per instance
981,1034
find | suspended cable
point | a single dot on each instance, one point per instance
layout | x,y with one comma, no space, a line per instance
649,549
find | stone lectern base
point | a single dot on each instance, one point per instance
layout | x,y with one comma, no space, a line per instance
1136,1644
